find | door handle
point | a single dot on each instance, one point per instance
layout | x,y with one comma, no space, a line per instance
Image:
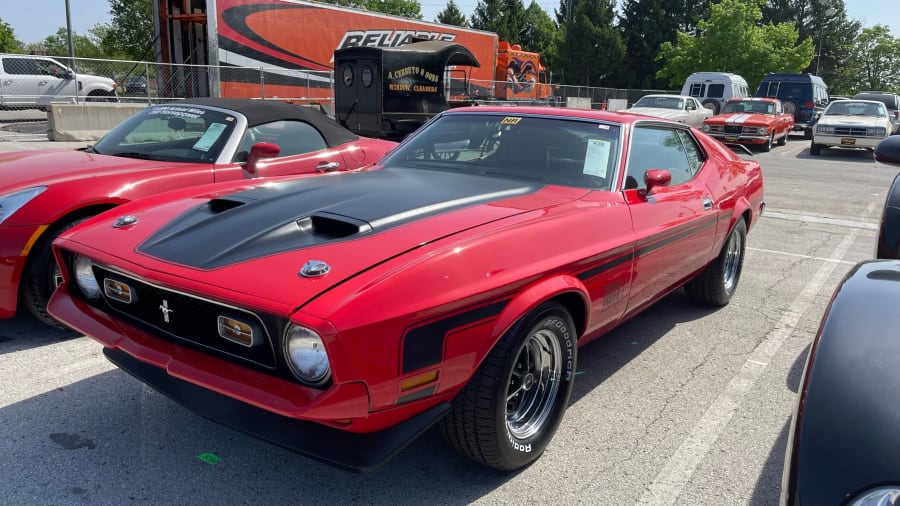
43,83
707,204
327,166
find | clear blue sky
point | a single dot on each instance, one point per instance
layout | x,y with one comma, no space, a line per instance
33,20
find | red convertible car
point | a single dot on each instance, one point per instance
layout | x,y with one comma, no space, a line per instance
343,316
756,121
163,147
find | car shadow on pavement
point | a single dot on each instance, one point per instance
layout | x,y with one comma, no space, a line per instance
24,332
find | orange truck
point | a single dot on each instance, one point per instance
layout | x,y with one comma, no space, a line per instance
285,48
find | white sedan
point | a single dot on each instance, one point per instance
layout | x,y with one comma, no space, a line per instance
851,124
679,108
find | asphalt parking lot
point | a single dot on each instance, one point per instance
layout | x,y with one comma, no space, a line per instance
681,405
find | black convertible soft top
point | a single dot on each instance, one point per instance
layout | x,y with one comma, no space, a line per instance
265,111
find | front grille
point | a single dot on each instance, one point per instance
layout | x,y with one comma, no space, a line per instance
733,129
181,318
850,131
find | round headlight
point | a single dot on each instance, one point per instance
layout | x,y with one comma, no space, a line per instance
883,496
306,355
705,127
84,276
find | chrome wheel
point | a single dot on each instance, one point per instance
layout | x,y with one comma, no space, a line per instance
733,251
534,384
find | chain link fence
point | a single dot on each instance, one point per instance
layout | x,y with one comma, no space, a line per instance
150,83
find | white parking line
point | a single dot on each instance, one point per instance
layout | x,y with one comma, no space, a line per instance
680,467
810,218
809,257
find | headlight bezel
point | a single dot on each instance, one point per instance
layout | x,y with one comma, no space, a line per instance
83,278
825,129
12,202
874,496
299,339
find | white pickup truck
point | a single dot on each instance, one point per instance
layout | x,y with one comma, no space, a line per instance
33,82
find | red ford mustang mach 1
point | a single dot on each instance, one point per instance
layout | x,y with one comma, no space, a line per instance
162,147
342,316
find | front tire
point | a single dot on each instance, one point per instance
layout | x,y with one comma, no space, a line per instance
783,139
815,149
767,146
509,411
718,281
42,276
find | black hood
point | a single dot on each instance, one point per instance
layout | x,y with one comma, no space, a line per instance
313,211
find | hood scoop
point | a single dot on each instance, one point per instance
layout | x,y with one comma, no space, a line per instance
307,212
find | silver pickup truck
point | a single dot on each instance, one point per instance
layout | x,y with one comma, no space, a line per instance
33,82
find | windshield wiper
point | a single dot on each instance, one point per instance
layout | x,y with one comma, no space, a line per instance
139,155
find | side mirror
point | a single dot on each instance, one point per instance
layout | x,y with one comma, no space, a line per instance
888,150
654,178
259,151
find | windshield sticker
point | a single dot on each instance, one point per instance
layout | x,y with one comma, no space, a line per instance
182,112
510,120
596,160
210,137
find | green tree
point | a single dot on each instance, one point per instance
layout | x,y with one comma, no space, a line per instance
130,33
540,34
733,40
503,17
875,60
825,22
8,41
83,46
451,15
406,8
591,50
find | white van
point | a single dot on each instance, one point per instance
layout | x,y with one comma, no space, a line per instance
712,89
33,82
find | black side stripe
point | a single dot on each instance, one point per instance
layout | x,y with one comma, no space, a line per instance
424,346
647,246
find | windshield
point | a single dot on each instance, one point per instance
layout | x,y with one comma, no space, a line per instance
174,133
569,152
850,108
660,102
749,106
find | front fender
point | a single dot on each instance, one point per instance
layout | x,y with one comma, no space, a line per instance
534,295
844,437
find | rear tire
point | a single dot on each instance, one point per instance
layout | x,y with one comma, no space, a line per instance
42,276
509,411
718,281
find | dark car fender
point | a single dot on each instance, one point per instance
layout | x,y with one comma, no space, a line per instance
889,232
844,436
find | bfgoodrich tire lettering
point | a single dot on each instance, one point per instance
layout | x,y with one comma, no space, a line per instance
718,281
510,409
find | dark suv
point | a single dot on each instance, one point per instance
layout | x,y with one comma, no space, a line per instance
803,95
890,100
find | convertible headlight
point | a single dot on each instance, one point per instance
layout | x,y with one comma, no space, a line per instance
12,202
876,131
84,276
882,496
306,355
824,129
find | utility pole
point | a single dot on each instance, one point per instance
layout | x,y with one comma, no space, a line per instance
69,31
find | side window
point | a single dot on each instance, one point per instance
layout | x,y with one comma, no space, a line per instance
20,66
659,148
698,90
694,155
716,91
292,137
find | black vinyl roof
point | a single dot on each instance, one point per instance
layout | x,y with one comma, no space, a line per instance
258,112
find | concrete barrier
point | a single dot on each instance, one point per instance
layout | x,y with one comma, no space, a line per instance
86,122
